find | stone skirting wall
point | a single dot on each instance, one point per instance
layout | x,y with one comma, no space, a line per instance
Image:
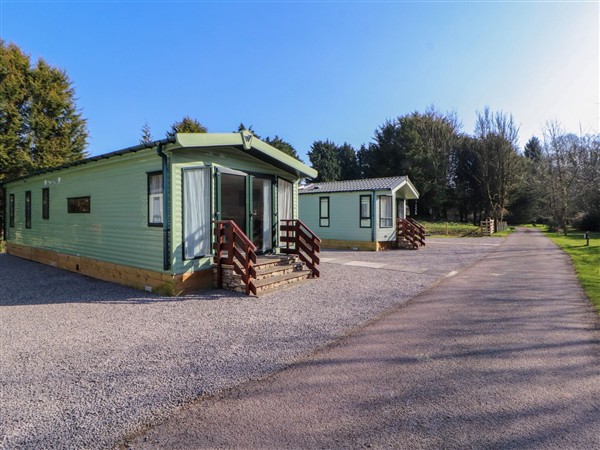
158,282
231,280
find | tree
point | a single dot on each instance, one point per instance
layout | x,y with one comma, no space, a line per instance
533,149
431,157
563,157
498,161
40,125
588,203
420,145
348,160
324,158
467,192
187,125
363,159
388,155
146,134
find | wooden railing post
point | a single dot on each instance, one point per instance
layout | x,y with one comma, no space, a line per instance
305,243
241,261
219,231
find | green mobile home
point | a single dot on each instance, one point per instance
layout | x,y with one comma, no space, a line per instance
145,216
356,213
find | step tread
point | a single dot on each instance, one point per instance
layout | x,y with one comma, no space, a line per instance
278,278
271,269
270,261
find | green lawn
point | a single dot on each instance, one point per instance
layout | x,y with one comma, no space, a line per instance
456,229
451,229
585,259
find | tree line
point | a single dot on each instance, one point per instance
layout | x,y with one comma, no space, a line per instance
555,179
465,177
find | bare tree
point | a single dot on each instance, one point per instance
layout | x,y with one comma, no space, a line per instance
565,176
498,161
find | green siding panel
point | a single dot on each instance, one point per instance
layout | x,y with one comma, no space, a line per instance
344,216
115,230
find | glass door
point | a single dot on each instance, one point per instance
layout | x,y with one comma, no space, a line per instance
261,221
233,199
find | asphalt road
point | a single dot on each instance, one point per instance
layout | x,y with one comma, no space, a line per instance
505,354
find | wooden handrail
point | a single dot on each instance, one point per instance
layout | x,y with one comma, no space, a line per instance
241,253
419,230
411,231
301,241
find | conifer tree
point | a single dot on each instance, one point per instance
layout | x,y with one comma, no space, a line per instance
40,125
146,134
187,125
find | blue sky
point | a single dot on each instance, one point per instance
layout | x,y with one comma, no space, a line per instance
311,70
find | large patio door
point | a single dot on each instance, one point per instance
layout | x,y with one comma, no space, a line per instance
248,201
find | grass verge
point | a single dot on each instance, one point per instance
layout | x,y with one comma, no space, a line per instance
586,260
504,233
457,229
451,229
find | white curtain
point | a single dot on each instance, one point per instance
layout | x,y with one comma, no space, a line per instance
196,210
284,202
155,192
267,216
284,199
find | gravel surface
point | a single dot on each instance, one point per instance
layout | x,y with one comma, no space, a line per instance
84,362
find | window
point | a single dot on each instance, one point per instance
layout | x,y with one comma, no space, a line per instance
27,209
365,211
78,205
323,211
155,199
385,211
11,210
45,203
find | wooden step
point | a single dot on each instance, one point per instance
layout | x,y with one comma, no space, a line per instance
263,262
276,282
273,271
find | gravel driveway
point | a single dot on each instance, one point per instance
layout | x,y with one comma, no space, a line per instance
84,362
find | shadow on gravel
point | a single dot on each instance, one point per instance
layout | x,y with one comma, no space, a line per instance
26,282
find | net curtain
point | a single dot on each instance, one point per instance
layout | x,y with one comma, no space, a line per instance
196,207
284,201
267,216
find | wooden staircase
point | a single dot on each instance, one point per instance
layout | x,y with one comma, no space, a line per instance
410,234
238,268
272,272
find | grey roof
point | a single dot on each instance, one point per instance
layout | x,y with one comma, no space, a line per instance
370,184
